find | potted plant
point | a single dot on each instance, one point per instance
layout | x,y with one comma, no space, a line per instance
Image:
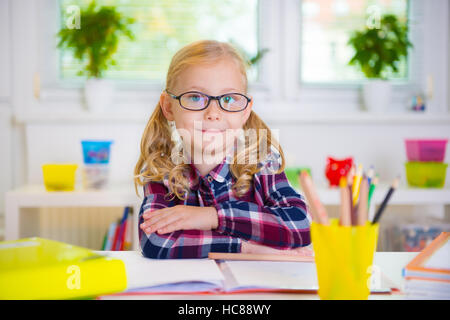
377,51
96,41
252,60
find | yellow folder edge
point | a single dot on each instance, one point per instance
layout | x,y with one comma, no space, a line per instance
36,268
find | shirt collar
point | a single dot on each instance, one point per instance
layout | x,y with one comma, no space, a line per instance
219,173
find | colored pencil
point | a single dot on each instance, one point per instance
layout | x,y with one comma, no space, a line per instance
386,200
105,238
373,185
116,236
318,212
350,179
110,240
370,175
357,184
122,240
122,228
351,174
259,257
362,204
345,219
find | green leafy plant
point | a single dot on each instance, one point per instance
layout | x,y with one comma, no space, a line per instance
97,38
259,55
378,50
252,60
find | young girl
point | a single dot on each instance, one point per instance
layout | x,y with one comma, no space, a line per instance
236,200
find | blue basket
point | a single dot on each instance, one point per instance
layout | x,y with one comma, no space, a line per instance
95,151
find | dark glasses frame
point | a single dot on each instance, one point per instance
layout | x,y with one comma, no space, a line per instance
218,98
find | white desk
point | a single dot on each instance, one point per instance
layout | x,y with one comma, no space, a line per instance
390,264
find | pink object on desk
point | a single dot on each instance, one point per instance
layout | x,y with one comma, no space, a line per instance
426,149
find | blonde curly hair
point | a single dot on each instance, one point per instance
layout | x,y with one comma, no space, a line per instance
155,163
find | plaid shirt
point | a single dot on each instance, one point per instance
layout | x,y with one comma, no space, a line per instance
271,213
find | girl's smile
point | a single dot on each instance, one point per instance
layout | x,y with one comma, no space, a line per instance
211,131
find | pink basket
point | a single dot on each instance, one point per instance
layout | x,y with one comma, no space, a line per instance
426,149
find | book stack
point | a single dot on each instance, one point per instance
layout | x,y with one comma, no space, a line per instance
118,235
427,276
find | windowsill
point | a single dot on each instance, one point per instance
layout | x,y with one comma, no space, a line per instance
358,118
286,117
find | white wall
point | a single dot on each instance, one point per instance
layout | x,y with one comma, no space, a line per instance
48,143
5,154
37,142
381,145
5,104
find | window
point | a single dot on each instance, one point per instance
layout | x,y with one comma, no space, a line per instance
325,30
163,26
306,66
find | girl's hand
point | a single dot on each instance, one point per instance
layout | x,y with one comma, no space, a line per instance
253,247
180,217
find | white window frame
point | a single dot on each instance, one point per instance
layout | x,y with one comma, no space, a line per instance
279,31
338,98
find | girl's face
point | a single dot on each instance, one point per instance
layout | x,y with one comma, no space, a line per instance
211,131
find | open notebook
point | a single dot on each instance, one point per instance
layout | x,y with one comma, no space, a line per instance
206,276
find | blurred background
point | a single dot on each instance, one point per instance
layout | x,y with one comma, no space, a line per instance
339,81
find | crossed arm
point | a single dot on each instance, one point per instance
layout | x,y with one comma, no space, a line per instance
181,231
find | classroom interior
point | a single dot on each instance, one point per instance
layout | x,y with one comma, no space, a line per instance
322,108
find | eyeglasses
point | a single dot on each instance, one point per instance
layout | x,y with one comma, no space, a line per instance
197,101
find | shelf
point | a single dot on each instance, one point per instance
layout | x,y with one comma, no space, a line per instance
119,194
36,195
401,196
287,116
81,117
357,118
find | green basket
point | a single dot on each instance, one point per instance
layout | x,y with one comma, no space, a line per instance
426,174
293,173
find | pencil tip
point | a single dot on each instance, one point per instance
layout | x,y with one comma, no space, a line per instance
343,182
370,172
396,182
304,172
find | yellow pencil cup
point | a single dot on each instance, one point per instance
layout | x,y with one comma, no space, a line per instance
344,256
59,177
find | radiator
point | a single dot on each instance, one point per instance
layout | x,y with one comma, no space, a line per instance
84,227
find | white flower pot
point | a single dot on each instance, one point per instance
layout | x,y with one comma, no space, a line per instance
98,94
377,95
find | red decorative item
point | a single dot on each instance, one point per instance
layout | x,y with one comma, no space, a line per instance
335,169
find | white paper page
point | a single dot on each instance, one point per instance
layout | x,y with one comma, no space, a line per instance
280,275
440,259
143,272
274,274
180,287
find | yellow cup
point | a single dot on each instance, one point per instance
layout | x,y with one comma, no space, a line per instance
59,177
344,256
